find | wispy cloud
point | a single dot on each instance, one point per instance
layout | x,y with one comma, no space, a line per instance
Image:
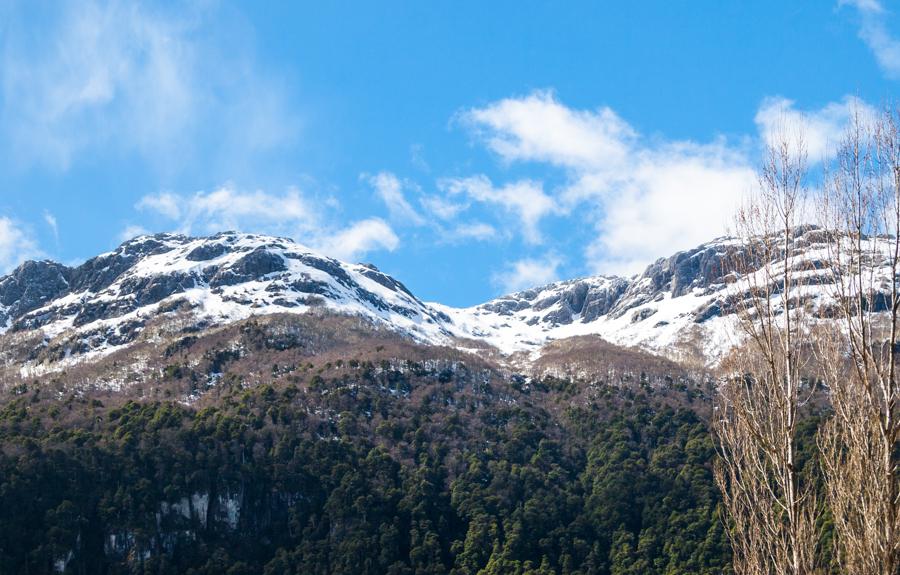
164,203
527,273
51,222
417,158
286,214
359,239
132,231
821,129
125,77
16,244
874,32
390,189
228,208
442,207
525,199
646,197
537,128
478,231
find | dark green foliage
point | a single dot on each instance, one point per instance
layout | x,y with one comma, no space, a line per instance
370,471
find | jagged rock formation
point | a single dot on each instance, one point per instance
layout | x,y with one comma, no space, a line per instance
681,306
107,301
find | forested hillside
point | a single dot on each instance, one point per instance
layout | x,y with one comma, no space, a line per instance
330,465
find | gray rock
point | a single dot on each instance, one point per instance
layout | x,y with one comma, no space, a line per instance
387,281
206,252
641,315
599,302
31,286
254,266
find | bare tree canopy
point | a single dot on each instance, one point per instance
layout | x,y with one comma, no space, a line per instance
772,510
861,204
846,337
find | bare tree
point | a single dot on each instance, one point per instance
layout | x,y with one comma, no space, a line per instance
859,444
772,512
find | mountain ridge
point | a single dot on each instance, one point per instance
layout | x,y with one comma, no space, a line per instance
678,307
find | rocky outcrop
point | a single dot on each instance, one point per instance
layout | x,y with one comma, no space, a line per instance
252,267
204,282
583,300
684,271
110,298
30,286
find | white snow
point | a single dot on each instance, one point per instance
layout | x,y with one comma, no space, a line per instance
518,323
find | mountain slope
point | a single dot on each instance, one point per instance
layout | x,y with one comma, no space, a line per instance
167,285
682,307
669,308
106,302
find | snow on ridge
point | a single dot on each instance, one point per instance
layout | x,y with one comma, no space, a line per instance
224,278
675,307
678,307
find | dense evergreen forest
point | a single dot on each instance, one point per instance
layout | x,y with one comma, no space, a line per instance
363,468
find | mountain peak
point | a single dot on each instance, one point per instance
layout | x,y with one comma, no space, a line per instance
677,307
108,300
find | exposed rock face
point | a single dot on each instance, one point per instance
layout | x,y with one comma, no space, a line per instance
590,299
563,303
107,300
680,306
204,282
251,267
387,281
205,252
30,286
685,271
100,272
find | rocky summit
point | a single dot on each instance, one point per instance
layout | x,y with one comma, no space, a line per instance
167,284
107,302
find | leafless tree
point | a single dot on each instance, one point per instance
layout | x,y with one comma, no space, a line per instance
773,513
861,210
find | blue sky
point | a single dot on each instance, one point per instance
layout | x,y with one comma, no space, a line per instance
466,147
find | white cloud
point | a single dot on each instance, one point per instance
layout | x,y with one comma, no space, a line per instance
359,239
442,207
227,208
390,189
478,231
538,128
288,214
647,198
672,202
528,273
165,203
51,222
129,77
468,231
875,34
821,129
16,245
525,199
873,6
132,231
417,158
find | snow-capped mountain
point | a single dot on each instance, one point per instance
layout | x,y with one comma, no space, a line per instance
678,307
672,308
681,307
107,301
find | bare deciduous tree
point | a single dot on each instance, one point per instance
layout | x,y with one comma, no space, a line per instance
773,512
861,207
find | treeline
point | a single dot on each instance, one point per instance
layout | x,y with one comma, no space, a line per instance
404,474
